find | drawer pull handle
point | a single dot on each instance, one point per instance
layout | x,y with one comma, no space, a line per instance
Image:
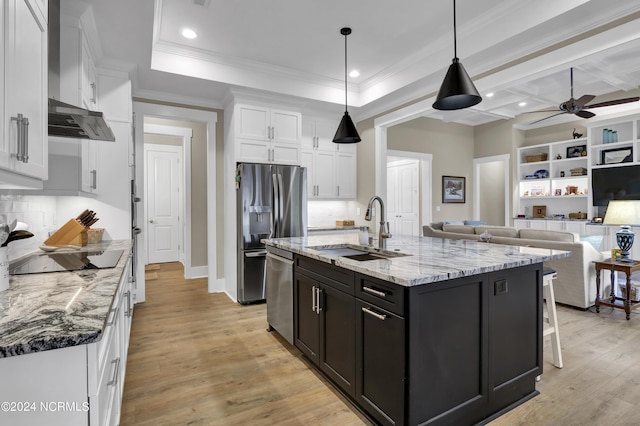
374,314
116,372
313,298
114,318
374,291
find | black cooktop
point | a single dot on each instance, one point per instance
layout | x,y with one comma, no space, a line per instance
39,263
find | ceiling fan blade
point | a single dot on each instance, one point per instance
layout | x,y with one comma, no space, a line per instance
614,102
583,100
541,110
585,114
542,119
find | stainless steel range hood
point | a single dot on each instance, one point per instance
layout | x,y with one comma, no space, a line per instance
67,120
70,121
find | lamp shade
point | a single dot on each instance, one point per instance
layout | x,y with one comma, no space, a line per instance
457,90
347,132
623,212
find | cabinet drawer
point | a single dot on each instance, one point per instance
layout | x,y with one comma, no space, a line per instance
384,294
326,273
99,353
101,404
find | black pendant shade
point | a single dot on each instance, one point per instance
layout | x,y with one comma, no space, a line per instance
346,132
457,90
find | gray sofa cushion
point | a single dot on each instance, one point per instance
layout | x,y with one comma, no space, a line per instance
497,231
437,225
539,234
459,229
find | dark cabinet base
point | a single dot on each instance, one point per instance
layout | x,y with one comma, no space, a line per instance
461,352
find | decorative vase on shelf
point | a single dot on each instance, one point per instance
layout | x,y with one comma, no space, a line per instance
605,135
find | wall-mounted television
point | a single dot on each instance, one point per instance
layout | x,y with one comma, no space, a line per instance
615,183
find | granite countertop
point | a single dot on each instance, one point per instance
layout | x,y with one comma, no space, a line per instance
336,228
430,259
54,310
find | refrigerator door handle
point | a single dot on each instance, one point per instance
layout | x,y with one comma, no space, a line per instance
275,218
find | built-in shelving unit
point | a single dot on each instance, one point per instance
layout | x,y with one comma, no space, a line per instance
554,175
609,143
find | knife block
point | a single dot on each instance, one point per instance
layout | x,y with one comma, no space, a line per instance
66,234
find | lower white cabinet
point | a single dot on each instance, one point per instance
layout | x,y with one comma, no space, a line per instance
77,385
577,227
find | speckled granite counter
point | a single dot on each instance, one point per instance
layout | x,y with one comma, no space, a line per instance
53,310
429,260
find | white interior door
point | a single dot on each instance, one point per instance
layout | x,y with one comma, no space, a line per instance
163,183
403,194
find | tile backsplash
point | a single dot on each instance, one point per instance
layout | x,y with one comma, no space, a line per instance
325,213
39,212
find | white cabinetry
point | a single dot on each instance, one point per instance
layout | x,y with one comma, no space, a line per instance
85,377
266,135
575,226
74,167
23,145
560,182
78,76
331,167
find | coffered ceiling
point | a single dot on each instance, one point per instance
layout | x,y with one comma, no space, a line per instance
520,50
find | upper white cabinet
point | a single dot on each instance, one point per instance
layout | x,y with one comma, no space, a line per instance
78,76
74,167
23,146
267,135
331,166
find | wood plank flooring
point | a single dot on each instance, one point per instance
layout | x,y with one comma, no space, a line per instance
199,359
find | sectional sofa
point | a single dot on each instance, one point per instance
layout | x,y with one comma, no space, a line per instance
576,282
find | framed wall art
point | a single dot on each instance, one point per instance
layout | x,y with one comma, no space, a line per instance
576,151
618,155
453,189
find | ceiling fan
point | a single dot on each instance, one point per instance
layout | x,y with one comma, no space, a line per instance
579,106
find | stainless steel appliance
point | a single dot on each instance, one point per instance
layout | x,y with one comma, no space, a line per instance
271,203
280,291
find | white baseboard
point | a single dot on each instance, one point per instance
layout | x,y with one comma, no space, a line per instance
196,272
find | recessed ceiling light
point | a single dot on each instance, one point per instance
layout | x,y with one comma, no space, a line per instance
522,104
354,74
189,33
490,95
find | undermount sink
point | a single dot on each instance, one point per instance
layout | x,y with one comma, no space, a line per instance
359,254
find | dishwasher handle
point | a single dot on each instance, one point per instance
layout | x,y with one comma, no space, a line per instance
279,259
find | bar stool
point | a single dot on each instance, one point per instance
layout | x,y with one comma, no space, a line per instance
551,319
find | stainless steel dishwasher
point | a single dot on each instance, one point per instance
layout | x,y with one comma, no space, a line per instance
280,291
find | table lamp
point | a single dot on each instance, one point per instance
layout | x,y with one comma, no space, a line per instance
624,213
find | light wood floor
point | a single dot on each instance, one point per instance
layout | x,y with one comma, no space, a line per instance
199,359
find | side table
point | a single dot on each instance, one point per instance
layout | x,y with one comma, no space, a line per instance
614,301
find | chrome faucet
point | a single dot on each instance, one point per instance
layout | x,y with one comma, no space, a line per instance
384,225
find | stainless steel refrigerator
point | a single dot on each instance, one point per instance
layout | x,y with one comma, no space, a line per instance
271,203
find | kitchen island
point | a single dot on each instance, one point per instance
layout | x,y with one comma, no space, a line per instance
64,339
428,331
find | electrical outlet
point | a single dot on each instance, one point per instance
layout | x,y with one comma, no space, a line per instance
437,208
500,287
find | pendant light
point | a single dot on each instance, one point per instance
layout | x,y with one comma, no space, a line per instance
346,132
457,90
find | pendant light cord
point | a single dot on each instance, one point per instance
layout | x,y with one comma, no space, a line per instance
455,41
345,72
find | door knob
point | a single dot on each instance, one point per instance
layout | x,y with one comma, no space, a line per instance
151,221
